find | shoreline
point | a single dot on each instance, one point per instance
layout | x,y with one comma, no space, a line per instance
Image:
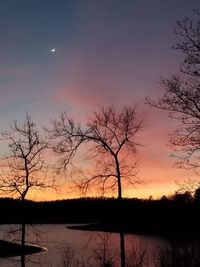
11,249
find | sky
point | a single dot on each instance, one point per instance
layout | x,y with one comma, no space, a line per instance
106,52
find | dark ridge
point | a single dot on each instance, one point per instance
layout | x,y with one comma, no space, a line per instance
165,216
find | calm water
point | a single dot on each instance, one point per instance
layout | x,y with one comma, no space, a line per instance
62,243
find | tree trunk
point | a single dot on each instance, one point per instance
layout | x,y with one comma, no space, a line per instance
119,186
121,232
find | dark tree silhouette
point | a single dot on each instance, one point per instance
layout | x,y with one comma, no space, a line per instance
109,134
186,197
197,195
25,168
182,94
24,164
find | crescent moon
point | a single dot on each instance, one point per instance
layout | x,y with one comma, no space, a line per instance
53,50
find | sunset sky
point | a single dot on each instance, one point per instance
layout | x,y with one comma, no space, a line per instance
106,52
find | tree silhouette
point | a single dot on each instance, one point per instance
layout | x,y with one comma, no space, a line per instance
197,195
24,164
182,94
109,134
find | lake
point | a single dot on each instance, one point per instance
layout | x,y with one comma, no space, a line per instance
63,244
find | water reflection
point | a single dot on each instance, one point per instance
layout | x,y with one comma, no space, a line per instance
16,249
76,248
104,254
177,253
180,252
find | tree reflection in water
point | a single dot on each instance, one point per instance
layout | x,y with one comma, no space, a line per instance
103,250
104,254
17,234
177,253
20,254
180,252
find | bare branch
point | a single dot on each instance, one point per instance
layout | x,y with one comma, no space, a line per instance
25,163
182,95
108,134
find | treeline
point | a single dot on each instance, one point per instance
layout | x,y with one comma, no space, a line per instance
176,215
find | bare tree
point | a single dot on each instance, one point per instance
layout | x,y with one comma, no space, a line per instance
109,134
182,94
25,168
24,165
